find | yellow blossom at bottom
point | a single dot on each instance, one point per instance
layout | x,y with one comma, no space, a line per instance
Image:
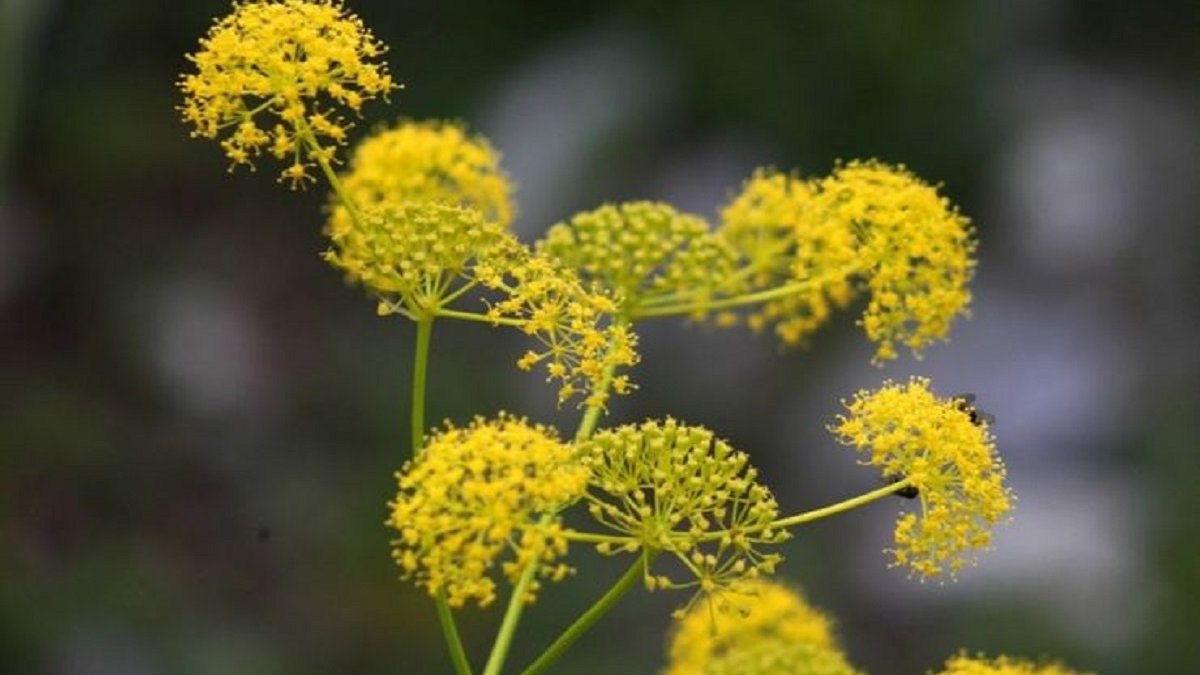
1002,665
756,627
477,493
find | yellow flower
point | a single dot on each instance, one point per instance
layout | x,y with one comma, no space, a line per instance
757,628
1003,665
425,162
778,241
676,489
915,250
638,249
579,341
477,493
271,76
948,455
414,254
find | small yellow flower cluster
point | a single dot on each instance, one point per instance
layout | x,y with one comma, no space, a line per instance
948,456
917,252
638,249
425,162
581,344
1003,665
674,488
771,227
868,226
291,60
477,492
412,254
757,628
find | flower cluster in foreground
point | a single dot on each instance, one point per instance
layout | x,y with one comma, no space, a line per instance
948,455
476,493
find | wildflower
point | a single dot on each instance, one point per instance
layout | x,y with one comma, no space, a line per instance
1002,665
675,488
915,249
425,162
947,456
638,249
778,241
580,343
414,254
757,628
271,76
476,493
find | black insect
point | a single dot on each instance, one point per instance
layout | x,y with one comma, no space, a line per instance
964,402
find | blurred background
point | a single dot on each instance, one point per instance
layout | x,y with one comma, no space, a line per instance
199,421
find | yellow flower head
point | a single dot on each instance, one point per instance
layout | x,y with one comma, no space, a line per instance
477,493
579,342
425,162
413,254
271,76
1003,665
638,249
948,455
675,488
780,241
757,628
916,252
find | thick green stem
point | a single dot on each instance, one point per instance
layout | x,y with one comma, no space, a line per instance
508,627
590,616
458,654
420,372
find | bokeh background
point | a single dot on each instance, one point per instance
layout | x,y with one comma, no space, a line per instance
199,421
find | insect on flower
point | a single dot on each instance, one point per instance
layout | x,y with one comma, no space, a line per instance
964,402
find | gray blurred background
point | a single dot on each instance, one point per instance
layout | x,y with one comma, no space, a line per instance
199,421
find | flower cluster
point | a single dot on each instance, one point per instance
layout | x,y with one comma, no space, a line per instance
675,488
425,162
415,254
580,343
963,664
916,250
639,249
758,628
477,492
947,455
779,242
270,76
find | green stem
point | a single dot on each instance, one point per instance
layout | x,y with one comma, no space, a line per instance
480,318
420,371
724,303
314,146
508,627
590,616
458,654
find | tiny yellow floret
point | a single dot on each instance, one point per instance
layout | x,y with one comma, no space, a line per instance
483,496
948,455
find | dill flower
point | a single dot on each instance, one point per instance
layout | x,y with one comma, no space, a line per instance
771,226
272,76
950,458
675,488
414,254
916,250
425,162
638,249
477,493
962,664
580,343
